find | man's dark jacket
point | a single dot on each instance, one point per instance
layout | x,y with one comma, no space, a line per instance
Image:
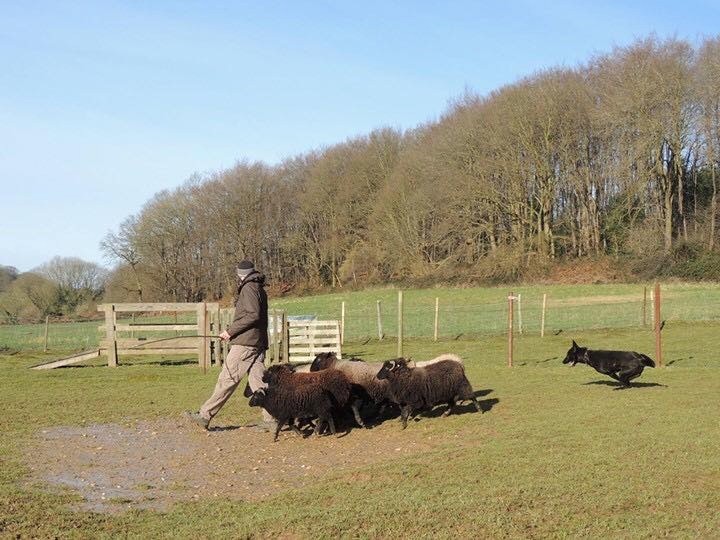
249,326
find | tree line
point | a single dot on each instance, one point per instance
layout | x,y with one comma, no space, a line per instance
61,286
613,158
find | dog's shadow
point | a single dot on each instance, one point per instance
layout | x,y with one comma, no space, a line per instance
619,386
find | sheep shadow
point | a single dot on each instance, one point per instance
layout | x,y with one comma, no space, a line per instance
619,386
466,407
220,429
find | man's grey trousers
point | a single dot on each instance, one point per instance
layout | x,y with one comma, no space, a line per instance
240,360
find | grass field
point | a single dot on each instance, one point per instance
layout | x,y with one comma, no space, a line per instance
559,454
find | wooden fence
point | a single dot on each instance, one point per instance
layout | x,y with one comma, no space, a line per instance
290,341
120,338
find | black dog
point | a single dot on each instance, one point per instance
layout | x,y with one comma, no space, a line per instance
623,366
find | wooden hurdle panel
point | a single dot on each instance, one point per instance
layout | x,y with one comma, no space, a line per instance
308,338
114,344
277,338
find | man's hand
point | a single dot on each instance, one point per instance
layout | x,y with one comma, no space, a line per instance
225,336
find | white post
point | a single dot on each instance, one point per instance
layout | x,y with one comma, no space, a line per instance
519,302
400,325
342,323
379,321
437,312
542,317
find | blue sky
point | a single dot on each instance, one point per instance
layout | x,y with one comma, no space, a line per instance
102,104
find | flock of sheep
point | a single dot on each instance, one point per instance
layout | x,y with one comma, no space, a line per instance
328,386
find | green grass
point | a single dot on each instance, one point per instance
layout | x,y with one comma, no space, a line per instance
555,457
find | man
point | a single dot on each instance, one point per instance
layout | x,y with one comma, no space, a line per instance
249,340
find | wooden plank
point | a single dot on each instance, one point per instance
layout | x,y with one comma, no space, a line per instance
154,327
68,360
310,342
191,342
328,332
201,314
285,337
189,352
110,335
206,332
153,306
312,350
294,324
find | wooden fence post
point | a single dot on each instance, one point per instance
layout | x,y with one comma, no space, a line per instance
379,320
437,315
201,314
111,335
400,325
542,317
658,327
342,322
511,298
285,329
217,331
276,336
47,323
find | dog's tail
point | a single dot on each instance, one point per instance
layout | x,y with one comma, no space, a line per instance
646,360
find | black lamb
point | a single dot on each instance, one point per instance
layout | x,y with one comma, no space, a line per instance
415,389
332,382
366,387
289,404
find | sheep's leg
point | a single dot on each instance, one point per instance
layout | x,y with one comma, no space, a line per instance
295,428
451,404
381,411
404,414
356,413
280,424
332,424
469,394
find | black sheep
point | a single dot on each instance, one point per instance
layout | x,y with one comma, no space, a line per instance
335,383
365,386
414,389
288,404
332,382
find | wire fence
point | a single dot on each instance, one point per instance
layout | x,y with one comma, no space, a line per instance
430,317
450,314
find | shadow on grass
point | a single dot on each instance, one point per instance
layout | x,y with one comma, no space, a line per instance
485,406
671,362
131,363
547,360
619,386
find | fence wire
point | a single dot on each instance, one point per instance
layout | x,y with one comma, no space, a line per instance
461,313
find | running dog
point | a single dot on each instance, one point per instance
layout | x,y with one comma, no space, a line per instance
623,366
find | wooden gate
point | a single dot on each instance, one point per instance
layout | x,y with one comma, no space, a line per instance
121,338
308,338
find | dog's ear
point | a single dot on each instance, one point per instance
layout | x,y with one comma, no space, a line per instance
575,346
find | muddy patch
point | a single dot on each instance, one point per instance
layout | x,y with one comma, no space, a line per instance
154,464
